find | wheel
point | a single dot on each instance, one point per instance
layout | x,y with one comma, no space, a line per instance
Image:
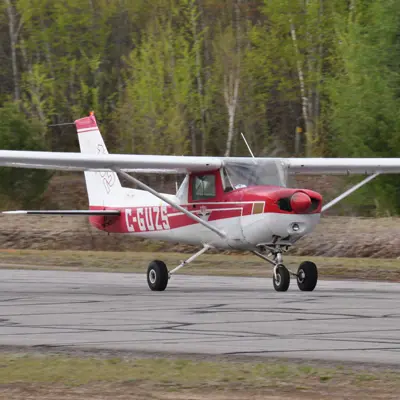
157,276
282,280
307,276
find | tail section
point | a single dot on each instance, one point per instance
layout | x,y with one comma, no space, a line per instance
103,187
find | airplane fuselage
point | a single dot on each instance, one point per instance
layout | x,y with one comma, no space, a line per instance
249,217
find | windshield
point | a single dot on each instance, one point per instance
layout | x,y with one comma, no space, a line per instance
240,173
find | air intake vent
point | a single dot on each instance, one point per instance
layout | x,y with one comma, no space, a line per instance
314,204
284,204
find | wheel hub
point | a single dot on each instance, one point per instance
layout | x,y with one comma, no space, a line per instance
301,276
152,276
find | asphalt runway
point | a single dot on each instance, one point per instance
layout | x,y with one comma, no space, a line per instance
340,321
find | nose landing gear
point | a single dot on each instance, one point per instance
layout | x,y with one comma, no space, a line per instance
281,278
306,276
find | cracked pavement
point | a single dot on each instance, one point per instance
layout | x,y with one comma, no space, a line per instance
340,321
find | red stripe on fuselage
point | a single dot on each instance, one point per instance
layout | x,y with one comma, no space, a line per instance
162,218
235,204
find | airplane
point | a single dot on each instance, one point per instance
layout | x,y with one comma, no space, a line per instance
240,203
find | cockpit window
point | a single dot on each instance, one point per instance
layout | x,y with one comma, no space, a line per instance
254,172
203,187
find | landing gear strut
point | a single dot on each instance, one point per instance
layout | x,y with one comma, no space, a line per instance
158,274
307,273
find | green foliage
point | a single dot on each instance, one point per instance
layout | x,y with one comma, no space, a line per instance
157,74
157,93
161,105
364,95
19,186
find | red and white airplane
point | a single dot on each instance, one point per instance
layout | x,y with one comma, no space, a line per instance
223,203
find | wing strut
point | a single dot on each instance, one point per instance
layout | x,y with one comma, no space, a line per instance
348,192
169,201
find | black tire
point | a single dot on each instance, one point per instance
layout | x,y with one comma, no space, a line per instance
307,276
282,280
157,276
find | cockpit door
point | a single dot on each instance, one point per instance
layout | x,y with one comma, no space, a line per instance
208,199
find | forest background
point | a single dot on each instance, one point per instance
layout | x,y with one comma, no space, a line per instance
298,77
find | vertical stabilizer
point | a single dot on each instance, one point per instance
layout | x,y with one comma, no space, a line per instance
103,187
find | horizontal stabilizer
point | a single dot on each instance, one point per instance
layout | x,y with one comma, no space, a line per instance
64,212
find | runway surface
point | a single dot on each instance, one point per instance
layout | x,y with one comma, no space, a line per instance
340,320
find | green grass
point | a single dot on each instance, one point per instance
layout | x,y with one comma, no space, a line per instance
207,264
178,373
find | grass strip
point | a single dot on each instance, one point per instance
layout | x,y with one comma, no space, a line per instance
208,264
183,373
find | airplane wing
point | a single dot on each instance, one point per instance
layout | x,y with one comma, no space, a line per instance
125,162
342,166
184,164
65,212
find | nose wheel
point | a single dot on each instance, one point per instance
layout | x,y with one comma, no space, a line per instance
306,276
281,278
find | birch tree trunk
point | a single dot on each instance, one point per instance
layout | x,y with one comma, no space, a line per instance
14,32
317,106
232,78
304,98
200,87
192,129
231,91
352,6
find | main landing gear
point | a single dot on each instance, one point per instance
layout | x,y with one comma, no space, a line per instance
158,274
306,276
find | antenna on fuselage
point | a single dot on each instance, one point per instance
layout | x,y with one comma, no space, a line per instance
247,144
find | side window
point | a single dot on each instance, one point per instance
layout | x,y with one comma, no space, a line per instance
203,187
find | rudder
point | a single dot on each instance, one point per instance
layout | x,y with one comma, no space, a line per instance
103,187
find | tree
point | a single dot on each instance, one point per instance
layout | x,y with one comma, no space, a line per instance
14,28
186,76
298,34
363,93
19,186
159,96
